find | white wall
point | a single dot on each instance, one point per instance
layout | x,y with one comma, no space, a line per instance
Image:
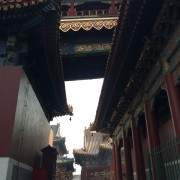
3,167
7,165
77,177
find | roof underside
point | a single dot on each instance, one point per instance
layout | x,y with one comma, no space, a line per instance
85,53
86,38
37,23
134,25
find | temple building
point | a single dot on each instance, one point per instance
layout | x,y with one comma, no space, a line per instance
86,35
64,165
139,105
31,82
95,158
59,141
46,42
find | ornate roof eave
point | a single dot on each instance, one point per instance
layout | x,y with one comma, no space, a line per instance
55,67
149,56
53,64
23,9
81,154
112,89
81,159
88,23
48,12
98,124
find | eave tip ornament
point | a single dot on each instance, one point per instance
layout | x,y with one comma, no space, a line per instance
70,110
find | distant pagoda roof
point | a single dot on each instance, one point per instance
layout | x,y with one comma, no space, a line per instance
94,146
59,143
59,140
56,130
65,163
81,155
104,146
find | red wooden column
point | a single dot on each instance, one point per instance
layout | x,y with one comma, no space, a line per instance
118,162
173,93
128,158
139,159
152,132
114,161
152,127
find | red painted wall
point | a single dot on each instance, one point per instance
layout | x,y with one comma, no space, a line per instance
31,128
24,127
166,131
9,85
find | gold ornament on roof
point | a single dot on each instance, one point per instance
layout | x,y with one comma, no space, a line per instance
87,24
92,47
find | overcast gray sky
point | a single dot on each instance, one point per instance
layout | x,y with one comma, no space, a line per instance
83,96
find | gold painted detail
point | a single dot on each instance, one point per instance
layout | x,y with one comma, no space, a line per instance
92,47
165,65
10,4
87,25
